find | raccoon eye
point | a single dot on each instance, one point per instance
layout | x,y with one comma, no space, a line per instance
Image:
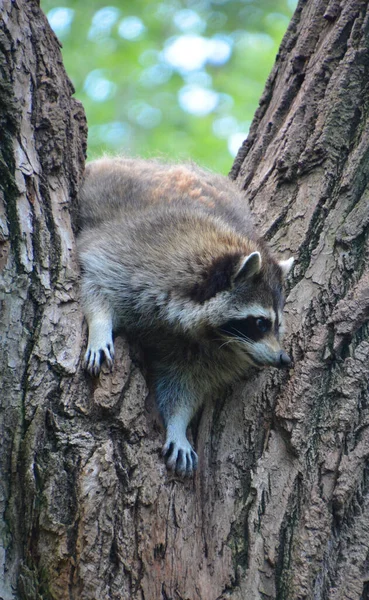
263,324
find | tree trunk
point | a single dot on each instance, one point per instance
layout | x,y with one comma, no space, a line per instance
42,146
279,507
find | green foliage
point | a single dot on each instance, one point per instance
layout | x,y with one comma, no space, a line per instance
176,78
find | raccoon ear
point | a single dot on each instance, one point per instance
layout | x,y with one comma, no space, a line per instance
248,266
286,266
221,274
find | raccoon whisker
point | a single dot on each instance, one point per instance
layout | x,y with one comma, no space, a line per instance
243,337
227,342
237,339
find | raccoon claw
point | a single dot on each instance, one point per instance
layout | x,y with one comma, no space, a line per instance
94,357
181,459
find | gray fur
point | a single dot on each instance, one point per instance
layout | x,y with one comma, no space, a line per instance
163,250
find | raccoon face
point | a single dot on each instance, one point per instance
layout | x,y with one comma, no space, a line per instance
238,297
258,337
257,323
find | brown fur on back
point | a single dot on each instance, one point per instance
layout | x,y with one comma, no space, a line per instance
121,184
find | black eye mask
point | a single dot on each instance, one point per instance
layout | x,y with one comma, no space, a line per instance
253,328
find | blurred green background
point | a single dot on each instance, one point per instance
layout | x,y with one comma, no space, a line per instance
179,79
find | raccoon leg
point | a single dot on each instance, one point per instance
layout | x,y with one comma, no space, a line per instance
100,340
177,406
177,450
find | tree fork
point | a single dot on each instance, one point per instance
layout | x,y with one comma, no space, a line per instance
279,506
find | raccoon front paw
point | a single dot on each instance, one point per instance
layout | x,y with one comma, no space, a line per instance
94,357
180,457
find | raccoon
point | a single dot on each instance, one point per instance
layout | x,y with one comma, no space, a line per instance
169,253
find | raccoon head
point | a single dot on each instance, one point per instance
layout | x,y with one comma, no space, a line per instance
232,295
254,321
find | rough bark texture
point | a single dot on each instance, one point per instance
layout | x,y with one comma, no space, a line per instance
279,508
42,147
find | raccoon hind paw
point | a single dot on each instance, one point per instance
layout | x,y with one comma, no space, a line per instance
180,458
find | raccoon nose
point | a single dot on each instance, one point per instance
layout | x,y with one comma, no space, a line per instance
284,359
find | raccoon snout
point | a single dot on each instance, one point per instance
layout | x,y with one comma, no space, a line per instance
284,359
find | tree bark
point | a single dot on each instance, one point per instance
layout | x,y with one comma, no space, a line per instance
42,145
279,507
